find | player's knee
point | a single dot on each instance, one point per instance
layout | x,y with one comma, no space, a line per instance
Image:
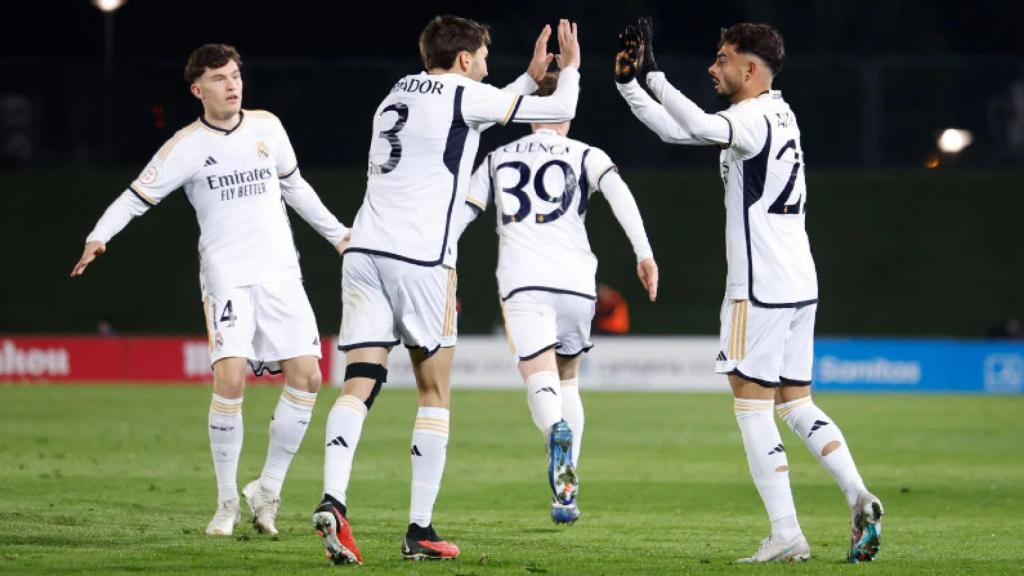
309,381
229,385
375,372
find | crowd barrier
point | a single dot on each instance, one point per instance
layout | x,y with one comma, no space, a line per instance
632,363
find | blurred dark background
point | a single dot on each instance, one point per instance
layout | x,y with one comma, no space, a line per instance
908,240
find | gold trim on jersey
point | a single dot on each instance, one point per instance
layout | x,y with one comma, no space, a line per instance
476,203
508,333
738,330
260,113
165,150
142,195
449,306
209,325
511,110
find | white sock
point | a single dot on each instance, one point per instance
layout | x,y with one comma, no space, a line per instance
226,435
544,396
429,450
572,412
344,427
768,464
287,427
825,440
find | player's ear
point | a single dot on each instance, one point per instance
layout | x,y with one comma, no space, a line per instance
465,61
196,90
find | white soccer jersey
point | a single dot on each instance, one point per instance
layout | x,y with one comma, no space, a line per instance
234,180
425,137
541,186
769,254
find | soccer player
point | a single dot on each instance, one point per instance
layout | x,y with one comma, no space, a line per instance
541,186
771,296
239,170
398,276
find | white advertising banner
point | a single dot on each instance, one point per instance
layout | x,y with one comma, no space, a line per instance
616,363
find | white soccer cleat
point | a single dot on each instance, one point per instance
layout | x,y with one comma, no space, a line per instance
225,519
795,549
263,504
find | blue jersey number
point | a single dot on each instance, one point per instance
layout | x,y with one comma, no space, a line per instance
391,135
563,200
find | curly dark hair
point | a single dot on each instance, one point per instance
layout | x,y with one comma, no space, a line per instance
445,36
209,56
762,40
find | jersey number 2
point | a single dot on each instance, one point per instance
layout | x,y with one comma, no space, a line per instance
780,206
391,135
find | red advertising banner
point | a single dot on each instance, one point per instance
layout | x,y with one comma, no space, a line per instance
115,359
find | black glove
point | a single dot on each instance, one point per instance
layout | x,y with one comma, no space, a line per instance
626,58
647,63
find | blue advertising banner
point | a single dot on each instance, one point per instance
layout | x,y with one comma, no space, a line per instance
892,365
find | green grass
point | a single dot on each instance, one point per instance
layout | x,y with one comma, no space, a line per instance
105,480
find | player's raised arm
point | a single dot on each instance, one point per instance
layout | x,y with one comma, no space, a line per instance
604,177
645,108
705,128
527,82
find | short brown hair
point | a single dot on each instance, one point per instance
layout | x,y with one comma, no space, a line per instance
760,40
446,36
209,56
547,84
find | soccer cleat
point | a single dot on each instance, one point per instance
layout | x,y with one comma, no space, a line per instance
866,536
561,472
564,513
263,504
795,549
424,544
333,528
224,519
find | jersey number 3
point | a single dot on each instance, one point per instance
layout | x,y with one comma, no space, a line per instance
391,135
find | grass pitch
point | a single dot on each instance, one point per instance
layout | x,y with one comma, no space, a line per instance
119,479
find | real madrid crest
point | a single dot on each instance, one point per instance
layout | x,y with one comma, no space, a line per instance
262,151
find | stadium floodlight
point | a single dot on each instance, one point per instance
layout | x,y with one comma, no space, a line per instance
108,5
954,140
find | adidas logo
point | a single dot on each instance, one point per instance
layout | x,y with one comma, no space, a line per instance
780,449
816,426
339,441
721,356
415,451
209,161
316,341
221,428
547,389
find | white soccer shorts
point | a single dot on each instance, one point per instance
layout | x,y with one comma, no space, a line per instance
385,301
264,323
768,346
539,320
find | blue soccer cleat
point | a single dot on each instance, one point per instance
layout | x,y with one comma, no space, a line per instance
564,513
561,471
